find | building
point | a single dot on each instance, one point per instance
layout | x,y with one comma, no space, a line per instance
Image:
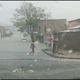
2,31
2,28
74,23
49,27
70,39
46,28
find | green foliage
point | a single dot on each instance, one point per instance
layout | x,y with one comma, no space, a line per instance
28,15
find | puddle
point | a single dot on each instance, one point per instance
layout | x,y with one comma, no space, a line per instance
31,65
48,69
27,54
35,60
31,71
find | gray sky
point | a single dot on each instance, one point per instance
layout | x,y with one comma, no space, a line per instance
58,9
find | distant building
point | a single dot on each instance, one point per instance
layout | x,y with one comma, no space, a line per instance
4,32
74,23
48,27
2,28
53,24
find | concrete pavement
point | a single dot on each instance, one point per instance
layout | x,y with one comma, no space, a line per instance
61,54
75,55
21,48
16,63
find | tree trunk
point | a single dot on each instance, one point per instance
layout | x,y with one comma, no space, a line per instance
31,33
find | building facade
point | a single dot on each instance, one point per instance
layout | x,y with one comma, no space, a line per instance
46,28
74,23
4,32
50,26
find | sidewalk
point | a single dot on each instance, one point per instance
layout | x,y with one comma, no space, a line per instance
61,54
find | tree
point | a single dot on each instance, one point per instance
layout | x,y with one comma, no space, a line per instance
27,17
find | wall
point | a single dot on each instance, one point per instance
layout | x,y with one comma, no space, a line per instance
54,24
71,40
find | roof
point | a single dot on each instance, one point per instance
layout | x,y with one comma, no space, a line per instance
65,31
74,27
51,19
74,23
75,20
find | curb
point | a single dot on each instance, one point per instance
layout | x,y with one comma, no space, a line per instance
55,56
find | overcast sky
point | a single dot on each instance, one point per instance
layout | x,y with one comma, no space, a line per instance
58,9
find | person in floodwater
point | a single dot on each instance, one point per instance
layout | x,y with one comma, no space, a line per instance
32,47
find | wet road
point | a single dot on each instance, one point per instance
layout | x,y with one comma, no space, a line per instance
15,62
